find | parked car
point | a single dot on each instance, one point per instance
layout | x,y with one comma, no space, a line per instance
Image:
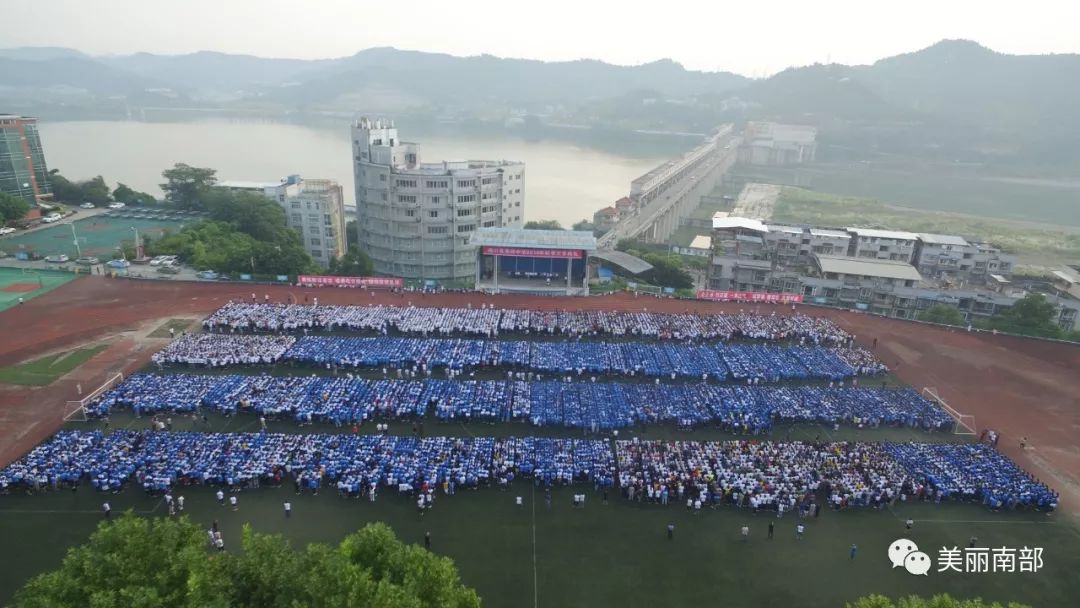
87,260
52,217
209,275
121,264
117,205
6,230
57,259
170,269
87,206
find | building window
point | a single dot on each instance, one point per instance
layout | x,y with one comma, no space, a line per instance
466,183
487,181
295,204
329,233
313,218
382,177
438,229
406,183
317,253
433,215
410,213
406,198
316,242
313,229
435,200
489,224
488,209
464,212
466,198
465,228
440,183
296,218
327,220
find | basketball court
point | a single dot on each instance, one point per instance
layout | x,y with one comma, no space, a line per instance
98,236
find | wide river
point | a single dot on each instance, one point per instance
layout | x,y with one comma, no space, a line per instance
564,181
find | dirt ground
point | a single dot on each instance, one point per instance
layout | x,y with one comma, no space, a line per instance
1021,388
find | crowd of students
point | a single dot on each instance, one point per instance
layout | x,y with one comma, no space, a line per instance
795,476
758,475
597,406
354,465
488,321
222,351
741,362
973,471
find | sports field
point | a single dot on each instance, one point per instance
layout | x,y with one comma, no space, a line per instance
98,236
615,553
18,283
605,554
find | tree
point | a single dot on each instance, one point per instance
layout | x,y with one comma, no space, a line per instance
352,236
1033,315
125,194
12,207
583,225
543,225
354,263
185,185
136,561
937,601
95,191
943,314
64,191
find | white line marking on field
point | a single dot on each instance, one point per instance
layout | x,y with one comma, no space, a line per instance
536,583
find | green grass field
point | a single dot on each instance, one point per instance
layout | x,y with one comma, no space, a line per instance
43,281
44,371
613,554
1033,245
956,189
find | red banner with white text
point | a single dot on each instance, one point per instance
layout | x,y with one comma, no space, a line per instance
749,296
529,252
321,281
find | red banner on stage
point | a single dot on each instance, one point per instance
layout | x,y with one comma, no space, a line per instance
321,281
749,296
530,252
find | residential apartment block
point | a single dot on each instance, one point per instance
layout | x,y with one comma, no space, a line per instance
315,208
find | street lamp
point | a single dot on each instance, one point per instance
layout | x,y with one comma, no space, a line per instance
138,254
75,239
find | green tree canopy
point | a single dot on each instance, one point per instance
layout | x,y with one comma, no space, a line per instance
246,233
12,207
543,225
129,196
584,225
64,190
134,562
937,601
1033,315
354,263
185,186
943,314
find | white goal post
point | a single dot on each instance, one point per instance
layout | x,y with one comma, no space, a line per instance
964,423
76,410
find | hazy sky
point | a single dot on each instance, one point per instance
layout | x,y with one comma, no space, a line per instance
749,37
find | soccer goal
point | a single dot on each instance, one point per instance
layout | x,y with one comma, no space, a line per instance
76,410
964,423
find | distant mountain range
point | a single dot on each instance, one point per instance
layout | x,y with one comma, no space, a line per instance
955,95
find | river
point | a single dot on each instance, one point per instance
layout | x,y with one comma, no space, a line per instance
564,181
